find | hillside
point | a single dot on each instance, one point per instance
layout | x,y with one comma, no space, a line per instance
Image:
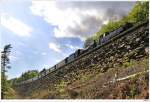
103,73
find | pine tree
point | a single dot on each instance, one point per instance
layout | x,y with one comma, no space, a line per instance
4,66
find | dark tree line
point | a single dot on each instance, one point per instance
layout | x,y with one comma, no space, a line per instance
25,76
4,66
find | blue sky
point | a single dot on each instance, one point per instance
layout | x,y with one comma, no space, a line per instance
43,33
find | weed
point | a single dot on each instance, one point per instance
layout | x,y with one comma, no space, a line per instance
72,93
128,63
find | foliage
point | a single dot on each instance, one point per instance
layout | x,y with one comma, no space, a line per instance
29,74
133,91
139,13
4,66
128,63
61,88
25,76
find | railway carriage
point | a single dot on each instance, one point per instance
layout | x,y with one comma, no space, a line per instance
29,80
81,51
108,36
78,52
35,78
127,25
52,68
61,63
47,71
84,50
43,72
71,58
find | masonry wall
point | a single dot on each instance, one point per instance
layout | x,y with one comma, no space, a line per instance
131,44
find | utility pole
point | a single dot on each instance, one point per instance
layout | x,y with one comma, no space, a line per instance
4,66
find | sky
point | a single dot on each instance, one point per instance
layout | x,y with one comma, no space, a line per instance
43,32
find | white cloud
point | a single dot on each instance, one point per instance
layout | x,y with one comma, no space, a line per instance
13,58
78,19
1,49
55,47
65,20
15,25
45,66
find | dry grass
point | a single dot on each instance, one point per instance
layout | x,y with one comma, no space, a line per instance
89,84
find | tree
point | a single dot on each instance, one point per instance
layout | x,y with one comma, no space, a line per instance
29,75
25,76
4,66
139,13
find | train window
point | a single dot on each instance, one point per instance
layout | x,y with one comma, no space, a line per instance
78,51
66,60
105,34
100,37
94,43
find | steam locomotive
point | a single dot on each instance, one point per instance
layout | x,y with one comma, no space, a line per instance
105,38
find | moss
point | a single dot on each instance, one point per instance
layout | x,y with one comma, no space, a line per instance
133,91
145,63
61,89
129,63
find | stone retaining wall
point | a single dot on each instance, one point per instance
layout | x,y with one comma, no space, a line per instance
129,45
